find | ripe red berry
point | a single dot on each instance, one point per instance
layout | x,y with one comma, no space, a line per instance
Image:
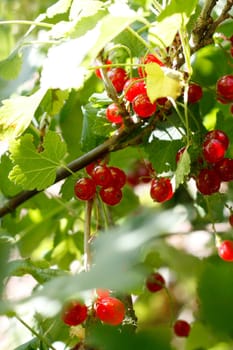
208,181
118,177
161,101
134,87
231,219
74,313
155,282
102,293
150,58
224,87
118,77
231,40
144,171
102,175
111,195
98,72
213,150
161,189
219,135
85,188
113,114
225,250
194,93
225,169
143,107
110,310
181,328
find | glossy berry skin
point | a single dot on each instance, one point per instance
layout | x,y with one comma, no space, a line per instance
134,87
161,189
102,293
143,107
74,313
218,135
225,250
102,175
208,181
113,114
150,58
111,195
118,177
213,150
155,282
181,328
85,188
118,77
194,93
230,219
225,169
110,310
224,87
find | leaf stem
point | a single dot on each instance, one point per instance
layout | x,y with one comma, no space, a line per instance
24,22
39,336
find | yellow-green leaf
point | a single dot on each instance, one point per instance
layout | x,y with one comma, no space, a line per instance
16,114
162,82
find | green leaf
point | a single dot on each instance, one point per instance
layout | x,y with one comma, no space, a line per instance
35,170
52,102
162,154
95,127
16,114
11,66
183,168
84,8
215,296
171,19
8,188
162,82
59,7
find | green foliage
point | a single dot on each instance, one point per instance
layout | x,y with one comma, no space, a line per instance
53,119
35,169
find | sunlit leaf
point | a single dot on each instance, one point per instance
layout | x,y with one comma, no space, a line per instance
162,82
16,114
11,66
183,168
35,169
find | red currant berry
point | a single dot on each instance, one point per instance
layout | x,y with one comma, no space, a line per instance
134,87
143,107
118,77
90,167
181,328
213,150
118,177
224,87
144,171
102,293
110,310
161,189
132,178
98,72
225,169
150,58
194,93
161,101
208,181
113,114
225,250
74,313
219,135
85,188
155,282
231,40
230,219
111,195
102,175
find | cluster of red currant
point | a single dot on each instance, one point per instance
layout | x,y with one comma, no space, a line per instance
106,308
154,283
108,180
